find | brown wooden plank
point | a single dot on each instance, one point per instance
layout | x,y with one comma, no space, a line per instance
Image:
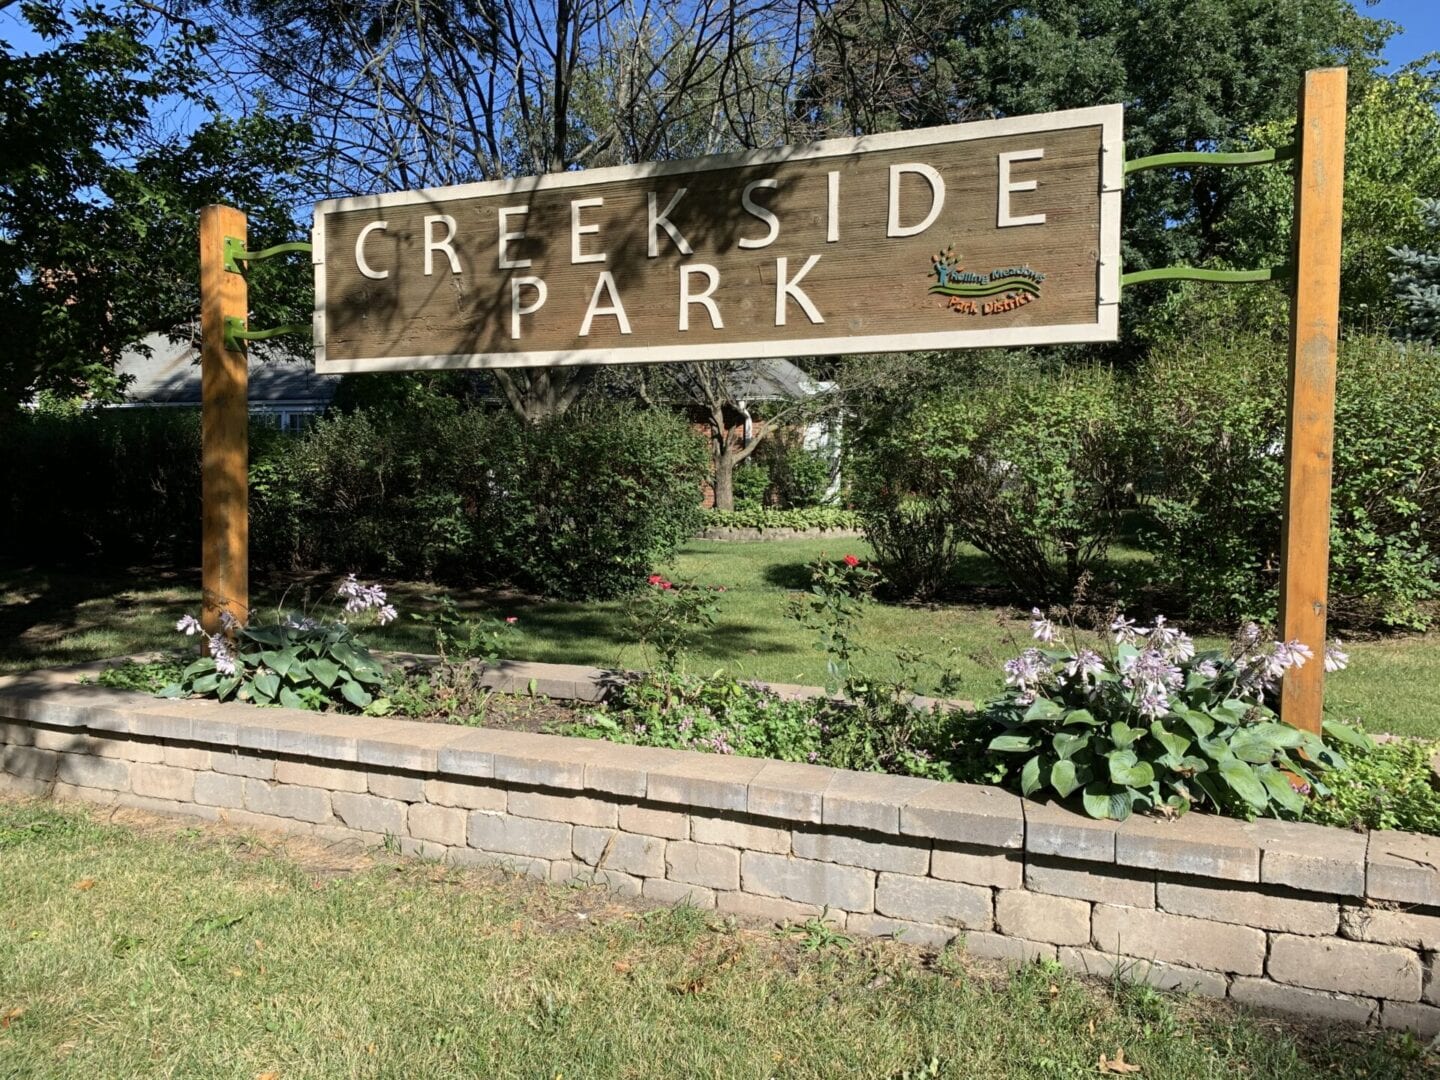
1310,426
224,427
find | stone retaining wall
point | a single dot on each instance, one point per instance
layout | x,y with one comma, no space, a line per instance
1278,916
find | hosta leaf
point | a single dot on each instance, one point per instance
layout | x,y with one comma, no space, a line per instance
1280,736
1012,744
1081,716
324,671
265,686
171,690
1123,735
1043,709
198,667
1030,780
1203,726
1277,782
205,684
1255,751
227,687
1349,736
1242,780
1174,744
290,699
264,635
1066,777
355,694
1067,745
1107,802
1120,762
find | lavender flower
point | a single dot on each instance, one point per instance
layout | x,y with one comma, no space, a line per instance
1154,703
229,623
813,756
387,614
1182,648
1123,629
1207,669
1041,628
1161,636
189,625
223,657
359,596
1084,666
1151,671
1026,669
1336,658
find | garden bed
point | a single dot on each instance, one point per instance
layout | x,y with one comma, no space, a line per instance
1283,916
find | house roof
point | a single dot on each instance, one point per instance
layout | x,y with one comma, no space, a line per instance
774,380
170,375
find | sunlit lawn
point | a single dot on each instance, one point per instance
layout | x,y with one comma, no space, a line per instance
49,618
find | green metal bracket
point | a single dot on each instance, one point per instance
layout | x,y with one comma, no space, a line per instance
1168,161
235,331
1191,273
235,252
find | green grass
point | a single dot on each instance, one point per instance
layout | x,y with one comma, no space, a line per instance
155,950
52,618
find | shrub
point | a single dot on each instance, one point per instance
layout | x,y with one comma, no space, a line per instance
1215,416
752,484
1390,786
1157,725
810,517
1035,471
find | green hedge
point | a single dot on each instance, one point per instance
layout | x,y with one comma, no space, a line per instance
811,517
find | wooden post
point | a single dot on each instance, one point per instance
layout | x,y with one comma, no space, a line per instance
224,427
1310,422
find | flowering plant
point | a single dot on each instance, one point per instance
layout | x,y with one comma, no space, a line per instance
1156,724
459,638
297,661
668,614
833,608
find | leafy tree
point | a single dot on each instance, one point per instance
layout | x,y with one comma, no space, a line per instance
98,195
1417,279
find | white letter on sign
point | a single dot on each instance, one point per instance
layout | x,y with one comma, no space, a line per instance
790,287
1006,187
662,220
937,198
432,245
507,263
360,263
516,308
687,297
751,207
577,230
605,283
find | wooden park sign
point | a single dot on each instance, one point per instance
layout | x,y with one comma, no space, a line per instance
998,233
1003,232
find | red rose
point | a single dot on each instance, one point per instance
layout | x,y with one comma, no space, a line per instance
511,620
666,585
654,579
851,560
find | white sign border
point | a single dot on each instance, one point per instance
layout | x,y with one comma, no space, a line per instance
1109,118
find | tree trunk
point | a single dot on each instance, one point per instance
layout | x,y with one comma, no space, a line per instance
725,479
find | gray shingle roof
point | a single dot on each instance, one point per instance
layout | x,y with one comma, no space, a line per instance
170,375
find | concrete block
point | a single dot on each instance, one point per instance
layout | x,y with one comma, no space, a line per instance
1178,939
369,813
576,809
1156,973
897,855
642,819
939,903
1122,886
1316,858
167,807
163,782
1404,867
702,864
540,760
194,758
246,819
135,750
287,801
739,831
977,865
1012,949
403,745
217,789
925,935
966,814
629,853
870,800
1349,967
510,864
24,788
389,785
29,762
237,764
615,881
63,792
1266,908
1037,917
1264,995
468,755
304,734
808,882
320,776
505,835
616,770
789,791
703,780
773,909
1199,845
476,796
426,849
82,770
676,893
1388,926
1422,1020
1052,829
438,824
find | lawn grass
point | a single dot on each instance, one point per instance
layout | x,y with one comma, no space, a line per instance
50,618
153,949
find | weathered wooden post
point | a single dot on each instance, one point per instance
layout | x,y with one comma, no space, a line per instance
1310,422
224,425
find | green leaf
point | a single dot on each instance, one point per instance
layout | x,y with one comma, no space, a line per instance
1123,735
355,694
1030,781
171,690
1281,790
1255,751
1107,802
264,635
205,684
1280,736
1242,780
1066,777
1175,745
1348,735
1067,745
1043,709
1203,726
266,686
1012,744
290,699
198,667
324,671
1081,716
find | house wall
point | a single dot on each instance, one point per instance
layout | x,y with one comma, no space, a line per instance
1273,915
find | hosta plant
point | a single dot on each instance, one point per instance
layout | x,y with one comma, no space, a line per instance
296,661
1153,724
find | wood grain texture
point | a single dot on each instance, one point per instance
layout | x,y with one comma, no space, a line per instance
224,427
865,285
1310,425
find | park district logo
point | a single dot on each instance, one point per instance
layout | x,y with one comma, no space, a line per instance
970,292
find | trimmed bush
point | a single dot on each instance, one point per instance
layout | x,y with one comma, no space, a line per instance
1215,414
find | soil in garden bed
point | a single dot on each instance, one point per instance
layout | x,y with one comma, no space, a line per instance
513,712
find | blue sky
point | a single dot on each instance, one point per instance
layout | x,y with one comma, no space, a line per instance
1420,20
